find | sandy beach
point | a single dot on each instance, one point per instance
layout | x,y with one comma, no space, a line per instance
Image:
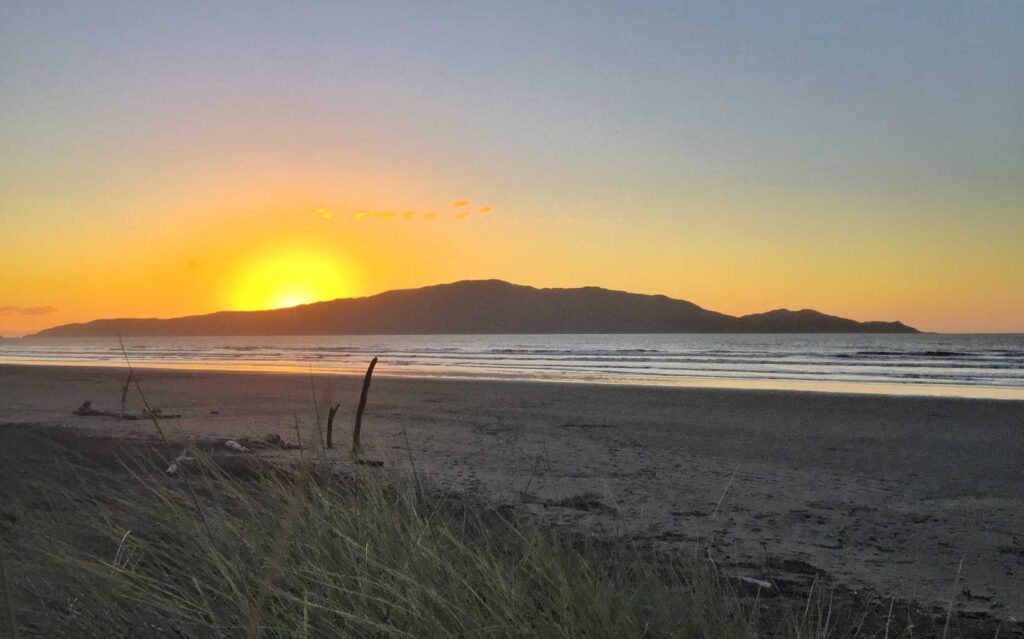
888,494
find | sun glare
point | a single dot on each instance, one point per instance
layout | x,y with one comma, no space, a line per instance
290,279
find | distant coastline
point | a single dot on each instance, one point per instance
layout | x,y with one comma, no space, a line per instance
481,307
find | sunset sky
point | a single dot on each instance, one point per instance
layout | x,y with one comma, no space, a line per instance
863,159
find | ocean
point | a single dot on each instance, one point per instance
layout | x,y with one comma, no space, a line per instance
927,364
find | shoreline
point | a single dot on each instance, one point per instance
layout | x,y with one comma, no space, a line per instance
885,493
844,388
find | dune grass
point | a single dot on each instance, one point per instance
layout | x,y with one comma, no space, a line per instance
305,552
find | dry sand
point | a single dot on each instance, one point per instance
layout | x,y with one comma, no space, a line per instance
883,493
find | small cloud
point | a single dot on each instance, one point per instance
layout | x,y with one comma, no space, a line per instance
27,310
376,215
320,212
463,210
464,213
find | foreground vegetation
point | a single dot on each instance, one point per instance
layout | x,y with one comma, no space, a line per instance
98,544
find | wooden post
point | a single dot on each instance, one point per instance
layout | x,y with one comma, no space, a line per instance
362,406
331,412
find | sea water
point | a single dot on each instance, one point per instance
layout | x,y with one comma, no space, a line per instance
925,364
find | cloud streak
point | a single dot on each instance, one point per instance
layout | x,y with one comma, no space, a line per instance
461,210
374,215
27,310
465,213
320,212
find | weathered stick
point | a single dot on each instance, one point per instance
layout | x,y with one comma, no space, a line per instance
298,436
331,412
362,406
124,391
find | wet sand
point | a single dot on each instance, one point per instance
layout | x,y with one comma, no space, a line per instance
883,493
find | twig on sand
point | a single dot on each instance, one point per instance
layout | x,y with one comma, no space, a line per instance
724,491
320,440
533,473
298,436
8,601
362,406
412,461
952,598
316,422
124,391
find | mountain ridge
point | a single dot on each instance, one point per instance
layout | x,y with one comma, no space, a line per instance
480,307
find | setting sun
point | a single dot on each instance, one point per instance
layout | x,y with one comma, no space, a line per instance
290,279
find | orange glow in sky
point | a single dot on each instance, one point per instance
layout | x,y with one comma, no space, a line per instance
168,159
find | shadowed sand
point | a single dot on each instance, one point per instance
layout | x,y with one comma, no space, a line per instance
885,493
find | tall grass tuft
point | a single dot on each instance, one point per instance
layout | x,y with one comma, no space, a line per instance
300,552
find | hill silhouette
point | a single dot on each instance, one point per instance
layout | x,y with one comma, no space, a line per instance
481,307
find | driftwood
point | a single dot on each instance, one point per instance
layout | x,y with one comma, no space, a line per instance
235,446
362,406
273,440
178,462
270,441
86,410
331,412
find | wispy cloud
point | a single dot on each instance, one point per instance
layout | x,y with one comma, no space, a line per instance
374,215
27,310
464,213
320,212
461,210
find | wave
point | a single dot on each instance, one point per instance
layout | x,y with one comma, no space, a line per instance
914,353
541,351
918,360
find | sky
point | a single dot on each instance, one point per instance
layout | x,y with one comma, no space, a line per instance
862,158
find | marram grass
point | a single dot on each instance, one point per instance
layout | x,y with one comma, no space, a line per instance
119,549
303,552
